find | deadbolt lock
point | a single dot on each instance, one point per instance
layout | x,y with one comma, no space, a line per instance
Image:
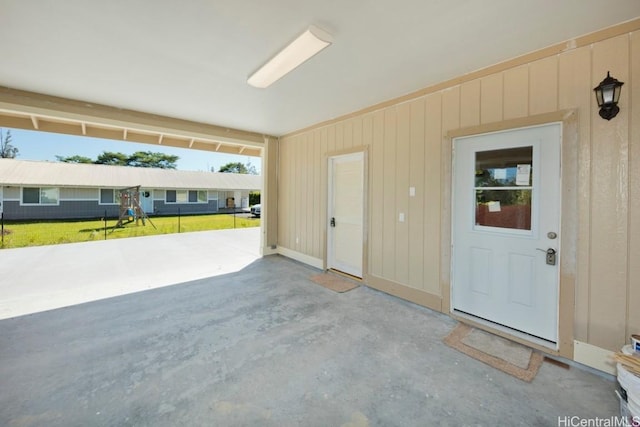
551,256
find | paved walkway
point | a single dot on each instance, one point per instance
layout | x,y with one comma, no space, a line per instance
47,277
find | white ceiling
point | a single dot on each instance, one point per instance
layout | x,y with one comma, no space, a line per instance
190,59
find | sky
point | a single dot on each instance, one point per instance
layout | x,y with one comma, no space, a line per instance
33,145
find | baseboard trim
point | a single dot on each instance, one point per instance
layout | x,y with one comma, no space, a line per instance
594,357
303,258
417,296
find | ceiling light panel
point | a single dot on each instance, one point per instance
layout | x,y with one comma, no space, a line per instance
297,52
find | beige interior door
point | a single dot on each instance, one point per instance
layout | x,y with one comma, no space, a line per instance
346,212
505,225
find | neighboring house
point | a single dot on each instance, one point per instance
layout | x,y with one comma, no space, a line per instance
52,190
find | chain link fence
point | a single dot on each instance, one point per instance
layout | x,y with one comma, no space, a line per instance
21,233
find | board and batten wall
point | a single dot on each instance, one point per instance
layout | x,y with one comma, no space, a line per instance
407,146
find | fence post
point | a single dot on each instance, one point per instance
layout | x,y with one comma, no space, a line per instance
178,220
105,224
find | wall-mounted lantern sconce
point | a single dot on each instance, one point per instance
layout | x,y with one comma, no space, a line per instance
608,94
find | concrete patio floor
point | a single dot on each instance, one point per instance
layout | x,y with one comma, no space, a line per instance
42,278
265,346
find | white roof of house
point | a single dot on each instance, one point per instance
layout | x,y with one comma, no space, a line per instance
57,174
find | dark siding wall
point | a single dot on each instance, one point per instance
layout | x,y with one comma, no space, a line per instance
91,209
162,208
66,210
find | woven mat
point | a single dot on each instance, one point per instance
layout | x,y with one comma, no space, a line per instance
509,357
333,282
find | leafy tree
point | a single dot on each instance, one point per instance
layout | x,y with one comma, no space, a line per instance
74,159
147,159
111,158
237,167
7,149
141,159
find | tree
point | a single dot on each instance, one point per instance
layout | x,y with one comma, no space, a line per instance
7,149
74,159
237,167
147,159
111,158
140,159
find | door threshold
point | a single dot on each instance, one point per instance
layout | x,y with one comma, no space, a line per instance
343,274
507,332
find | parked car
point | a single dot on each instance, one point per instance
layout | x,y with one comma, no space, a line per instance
255,211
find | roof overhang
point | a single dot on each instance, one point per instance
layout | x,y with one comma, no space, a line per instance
37,112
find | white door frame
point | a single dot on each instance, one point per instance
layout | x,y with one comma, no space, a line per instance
331,263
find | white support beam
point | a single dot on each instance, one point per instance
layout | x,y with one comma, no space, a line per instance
34,120
191,142
160,139
218,146
124,134
84,128
242,150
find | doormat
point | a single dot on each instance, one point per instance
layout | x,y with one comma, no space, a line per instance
333,282
509,357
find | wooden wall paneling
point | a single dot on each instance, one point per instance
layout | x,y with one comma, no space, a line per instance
416,211
633,297
575,93
339,127
389,199
432,194
609,207
403,147
450,121
376,195
284,194
301,197
316,195
516,93
348,134
543,86
366,139
470,103
296,201
324,184
331,140
491,98
311,195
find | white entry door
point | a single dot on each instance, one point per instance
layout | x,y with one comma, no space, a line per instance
146,201
505,223
346,212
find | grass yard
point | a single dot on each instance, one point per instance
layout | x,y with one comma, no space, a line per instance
21,234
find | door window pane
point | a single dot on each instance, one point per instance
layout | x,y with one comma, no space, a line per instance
503,189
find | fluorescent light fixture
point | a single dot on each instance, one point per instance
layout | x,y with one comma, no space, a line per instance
301,49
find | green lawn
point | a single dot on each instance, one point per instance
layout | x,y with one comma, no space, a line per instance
19,234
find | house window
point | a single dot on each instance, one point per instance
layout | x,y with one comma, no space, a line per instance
198,196
109,196
40,195
186,196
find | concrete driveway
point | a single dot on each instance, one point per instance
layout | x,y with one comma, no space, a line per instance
256,344
46,277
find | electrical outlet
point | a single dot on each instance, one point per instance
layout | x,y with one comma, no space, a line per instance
401,217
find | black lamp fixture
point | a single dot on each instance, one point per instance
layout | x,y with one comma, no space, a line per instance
608,94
